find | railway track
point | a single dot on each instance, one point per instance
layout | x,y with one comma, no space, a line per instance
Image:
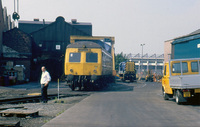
32,99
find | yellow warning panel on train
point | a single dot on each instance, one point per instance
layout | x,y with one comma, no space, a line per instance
197,91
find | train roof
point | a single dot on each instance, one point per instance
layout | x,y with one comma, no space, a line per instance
84,44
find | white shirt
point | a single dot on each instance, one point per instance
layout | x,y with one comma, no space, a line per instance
45,77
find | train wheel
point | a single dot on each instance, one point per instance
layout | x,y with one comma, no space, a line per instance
85,86
79,86
72,86
103,83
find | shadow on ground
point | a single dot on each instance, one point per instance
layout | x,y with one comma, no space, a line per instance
118,87
114,87
191,102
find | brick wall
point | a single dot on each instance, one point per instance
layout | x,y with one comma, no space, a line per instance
167,50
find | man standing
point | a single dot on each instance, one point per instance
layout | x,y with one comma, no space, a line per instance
44,81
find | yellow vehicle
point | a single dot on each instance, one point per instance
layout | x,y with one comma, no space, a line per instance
181,78
87,63
127,71
149,76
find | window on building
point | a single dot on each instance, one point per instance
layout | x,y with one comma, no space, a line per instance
40,45
58,47
74,57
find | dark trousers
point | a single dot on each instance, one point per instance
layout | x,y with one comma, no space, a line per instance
44,93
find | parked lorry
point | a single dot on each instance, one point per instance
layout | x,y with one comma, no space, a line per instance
181,78
127,71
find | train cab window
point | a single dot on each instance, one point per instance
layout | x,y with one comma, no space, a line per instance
91,57
74,57
194,66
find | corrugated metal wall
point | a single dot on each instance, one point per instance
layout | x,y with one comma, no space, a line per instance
51,42
186,49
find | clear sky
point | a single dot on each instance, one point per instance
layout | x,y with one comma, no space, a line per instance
131,22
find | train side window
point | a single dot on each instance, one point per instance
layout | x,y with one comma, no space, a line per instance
194,66
185,67
74,57
91,57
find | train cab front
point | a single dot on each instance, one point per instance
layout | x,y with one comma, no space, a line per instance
82,67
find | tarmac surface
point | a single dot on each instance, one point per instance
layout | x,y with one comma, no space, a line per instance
128,105
120,104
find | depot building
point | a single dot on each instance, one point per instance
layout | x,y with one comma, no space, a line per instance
184,47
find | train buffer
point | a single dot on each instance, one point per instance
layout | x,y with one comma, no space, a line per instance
19,113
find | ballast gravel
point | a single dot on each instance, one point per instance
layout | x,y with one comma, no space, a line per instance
47,111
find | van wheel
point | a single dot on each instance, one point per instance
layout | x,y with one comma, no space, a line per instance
165,96
178,97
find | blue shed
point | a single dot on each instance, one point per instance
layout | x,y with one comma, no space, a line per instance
186,46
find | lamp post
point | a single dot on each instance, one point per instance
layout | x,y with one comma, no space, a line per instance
15,15
142,59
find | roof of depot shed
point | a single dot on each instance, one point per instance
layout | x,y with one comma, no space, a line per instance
188,37
18,40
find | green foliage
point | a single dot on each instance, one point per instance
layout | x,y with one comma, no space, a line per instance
118,59
45,121
60,113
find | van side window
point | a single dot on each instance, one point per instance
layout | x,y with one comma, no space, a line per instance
176,68
194,66
165,70
184,67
